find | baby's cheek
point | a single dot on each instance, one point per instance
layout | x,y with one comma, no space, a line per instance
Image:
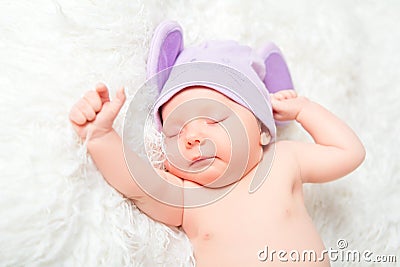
174,153
227,150
206,176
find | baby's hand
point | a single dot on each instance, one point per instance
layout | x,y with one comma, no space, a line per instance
287,105
93,115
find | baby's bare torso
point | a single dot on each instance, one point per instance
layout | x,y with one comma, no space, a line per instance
243,229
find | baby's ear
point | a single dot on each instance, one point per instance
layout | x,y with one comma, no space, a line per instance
166,44
265,138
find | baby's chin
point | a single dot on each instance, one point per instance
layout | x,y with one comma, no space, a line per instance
202,177
212,176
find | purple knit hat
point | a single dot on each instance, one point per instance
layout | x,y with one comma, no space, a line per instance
234,70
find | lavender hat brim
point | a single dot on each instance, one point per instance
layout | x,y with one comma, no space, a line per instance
222,78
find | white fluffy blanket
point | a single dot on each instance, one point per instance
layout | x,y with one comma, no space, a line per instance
55,207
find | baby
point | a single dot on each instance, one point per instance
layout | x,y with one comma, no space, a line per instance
226,140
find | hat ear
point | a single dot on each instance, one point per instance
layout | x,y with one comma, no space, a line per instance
166,44
277,75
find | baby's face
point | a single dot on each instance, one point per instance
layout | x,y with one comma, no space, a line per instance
209,139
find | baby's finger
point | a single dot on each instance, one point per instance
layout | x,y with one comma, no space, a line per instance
118,101
277,96
77,117
292,93
121,95
93,98
277,104
286,94
279,117
281,95
102,90
86,109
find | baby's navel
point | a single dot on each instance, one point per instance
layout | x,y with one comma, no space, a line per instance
207,236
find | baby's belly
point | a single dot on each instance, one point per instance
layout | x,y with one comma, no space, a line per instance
249,230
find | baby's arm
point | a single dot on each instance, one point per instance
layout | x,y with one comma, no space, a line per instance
92,117
337,150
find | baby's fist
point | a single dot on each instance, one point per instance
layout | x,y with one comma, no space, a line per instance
94,113
287,105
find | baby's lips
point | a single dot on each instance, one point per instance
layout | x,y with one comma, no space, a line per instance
201,158
202,162
197,157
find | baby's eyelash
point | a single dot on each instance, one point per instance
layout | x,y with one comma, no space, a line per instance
173,135
217,121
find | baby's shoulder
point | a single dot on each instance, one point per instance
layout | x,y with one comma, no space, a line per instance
293,150
285,148
285,156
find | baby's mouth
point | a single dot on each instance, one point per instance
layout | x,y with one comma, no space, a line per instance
203,161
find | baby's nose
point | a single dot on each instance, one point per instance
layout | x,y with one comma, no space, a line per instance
192,141
193,134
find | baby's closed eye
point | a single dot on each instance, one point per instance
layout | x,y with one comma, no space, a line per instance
216,120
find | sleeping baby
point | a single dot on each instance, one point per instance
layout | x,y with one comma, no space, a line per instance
227,182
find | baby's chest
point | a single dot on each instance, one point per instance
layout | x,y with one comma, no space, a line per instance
238,213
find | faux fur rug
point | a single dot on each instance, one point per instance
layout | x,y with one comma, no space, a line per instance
55,207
